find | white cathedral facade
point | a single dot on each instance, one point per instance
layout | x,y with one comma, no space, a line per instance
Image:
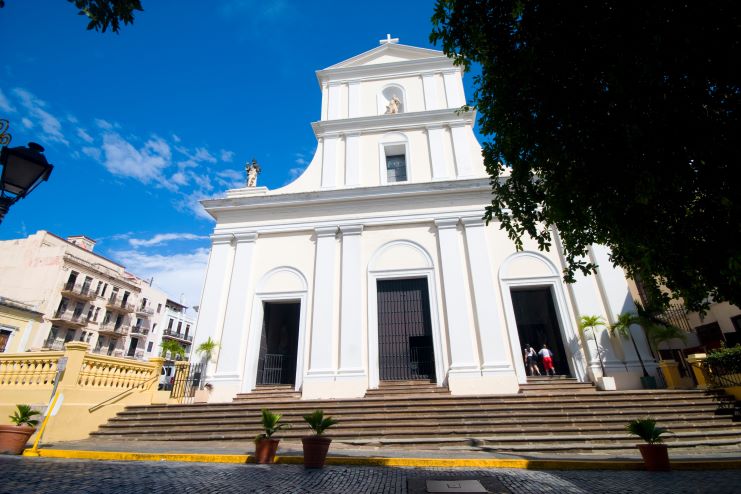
375,264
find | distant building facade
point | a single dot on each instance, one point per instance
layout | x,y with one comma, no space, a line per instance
19,323
82,296
174,322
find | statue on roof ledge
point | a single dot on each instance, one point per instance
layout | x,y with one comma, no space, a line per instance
252,169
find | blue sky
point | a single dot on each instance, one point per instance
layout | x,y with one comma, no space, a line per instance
143,124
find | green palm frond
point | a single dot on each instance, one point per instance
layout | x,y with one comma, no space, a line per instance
318,422
23,416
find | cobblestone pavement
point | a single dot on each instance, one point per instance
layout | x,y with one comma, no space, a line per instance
42,475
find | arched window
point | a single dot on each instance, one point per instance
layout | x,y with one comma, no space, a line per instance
394,158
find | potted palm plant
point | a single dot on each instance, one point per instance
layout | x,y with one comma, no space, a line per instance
316,446
13,438
265,445
590,324
654,453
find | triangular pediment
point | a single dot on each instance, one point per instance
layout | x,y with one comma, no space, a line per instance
388,53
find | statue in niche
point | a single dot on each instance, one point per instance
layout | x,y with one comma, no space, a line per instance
393,106
252,169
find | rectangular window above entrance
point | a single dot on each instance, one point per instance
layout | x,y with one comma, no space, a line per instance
396,168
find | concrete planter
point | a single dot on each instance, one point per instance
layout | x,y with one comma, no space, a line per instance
13,438
606,383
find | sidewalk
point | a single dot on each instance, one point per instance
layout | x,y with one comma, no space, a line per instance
290,452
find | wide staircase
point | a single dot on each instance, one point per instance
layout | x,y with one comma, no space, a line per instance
549,414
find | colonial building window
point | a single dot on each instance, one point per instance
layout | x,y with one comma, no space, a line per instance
396,168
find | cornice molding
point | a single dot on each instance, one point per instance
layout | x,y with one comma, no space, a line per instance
397,69
375,123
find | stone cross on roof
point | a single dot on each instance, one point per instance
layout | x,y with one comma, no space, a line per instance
388,41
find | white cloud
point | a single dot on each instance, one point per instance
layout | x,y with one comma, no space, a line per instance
94,153
202,181
84,135
230,179
226,156
71,118
295,172
103,124
177,274
5,104
202,154
175,138
50,125
179,178
27,123
192,202
162,238
145,164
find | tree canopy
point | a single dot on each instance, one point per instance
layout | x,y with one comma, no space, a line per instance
103,14
617,123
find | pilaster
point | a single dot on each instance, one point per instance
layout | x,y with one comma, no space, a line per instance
236,316
351,309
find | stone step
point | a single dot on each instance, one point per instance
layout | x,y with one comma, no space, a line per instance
394,414
500,441
425,426
549,412
520,403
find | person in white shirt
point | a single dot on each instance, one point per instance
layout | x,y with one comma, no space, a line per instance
531,360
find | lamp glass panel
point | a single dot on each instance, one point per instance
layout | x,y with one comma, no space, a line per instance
20,174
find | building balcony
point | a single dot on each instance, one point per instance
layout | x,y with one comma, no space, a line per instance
145,311
117,304
169,333
69,318
110,329
79,291
54,344
139,330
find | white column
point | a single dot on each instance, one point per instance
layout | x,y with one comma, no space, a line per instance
329,162
235,318
491,335
462,150
213,299
351,309
322,346
352,159
459,332
435,136
334,103
454,89
353,99
429,85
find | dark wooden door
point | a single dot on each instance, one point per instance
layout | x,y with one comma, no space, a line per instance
404,330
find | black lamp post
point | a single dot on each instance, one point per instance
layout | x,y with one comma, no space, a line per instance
24,168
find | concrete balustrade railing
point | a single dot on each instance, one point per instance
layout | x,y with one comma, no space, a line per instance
28,370
94,387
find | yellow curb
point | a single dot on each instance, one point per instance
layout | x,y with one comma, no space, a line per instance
388,462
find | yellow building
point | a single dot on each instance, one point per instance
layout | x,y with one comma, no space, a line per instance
19,325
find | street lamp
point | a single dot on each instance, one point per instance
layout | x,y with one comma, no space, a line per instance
24,168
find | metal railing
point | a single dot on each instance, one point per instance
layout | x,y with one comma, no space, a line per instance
174,334
117,303
676,315
54,343
111,328
80,290
272,368
147,310
70,317
139,330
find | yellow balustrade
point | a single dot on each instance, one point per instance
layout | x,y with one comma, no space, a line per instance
94,387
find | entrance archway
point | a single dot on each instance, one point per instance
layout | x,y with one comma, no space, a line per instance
405,349
537,324
276,362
